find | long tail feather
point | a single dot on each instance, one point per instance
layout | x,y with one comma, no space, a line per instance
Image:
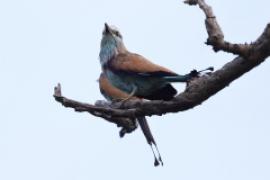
187,77
150,139
179,78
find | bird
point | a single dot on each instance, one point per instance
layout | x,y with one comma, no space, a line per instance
134,74
111,93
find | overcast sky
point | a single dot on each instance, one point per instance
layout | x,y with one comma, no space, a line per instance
49,41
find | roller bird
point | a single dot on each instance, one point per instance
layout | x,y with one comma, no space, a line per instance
133,73
111,93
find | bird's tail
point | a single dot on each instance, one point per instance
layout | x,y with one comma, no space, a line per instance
187,77
178,78
150,139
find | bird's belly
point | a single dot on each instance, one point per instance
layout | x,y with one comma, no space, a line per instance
127,82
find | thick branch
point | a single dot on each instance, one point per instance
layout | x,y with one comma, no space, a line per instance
198,90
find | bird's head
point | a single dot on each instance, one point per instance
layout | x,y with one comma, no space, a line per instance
112,36
111,43
111,31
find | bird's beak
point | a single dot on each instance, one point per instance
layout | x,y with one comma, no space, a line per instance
107,28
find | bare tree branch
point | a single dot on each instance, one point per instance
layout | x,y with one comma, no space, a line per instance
101,109
215,34
199,90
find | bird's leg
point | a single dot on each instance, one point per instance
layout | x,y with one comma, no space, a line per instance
126,98
130,95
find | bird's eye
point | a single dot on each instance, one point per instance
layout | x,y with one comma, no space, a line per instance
117,33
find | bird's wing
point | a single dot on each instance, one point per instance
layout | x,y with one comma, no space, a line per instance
134,63
109,91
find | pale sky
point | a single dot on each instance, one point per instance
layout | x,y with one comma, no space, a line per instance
49,41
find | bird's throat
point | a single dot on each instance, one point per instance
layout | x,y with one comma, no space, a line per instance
108,50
